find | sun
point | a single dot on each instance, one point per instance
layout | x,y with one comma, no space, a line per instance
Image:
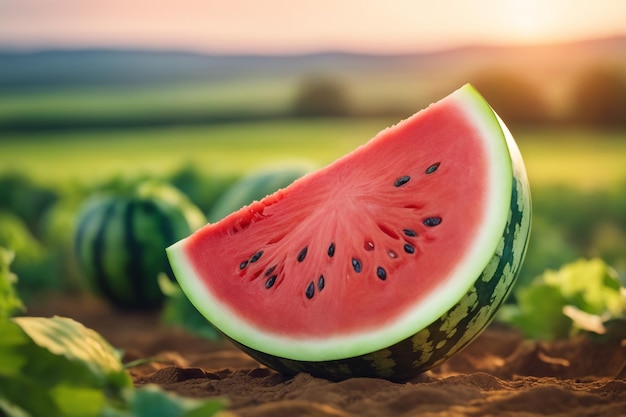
530,20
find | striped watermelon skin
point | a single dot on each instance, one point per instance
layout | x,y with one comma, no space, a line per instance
121,237
451,332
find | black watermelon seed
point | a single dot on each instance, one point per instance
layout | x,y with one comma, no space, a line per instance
243,264
409,248
409,232
381,273
256,256
432,221
310,290
432,168
320,283
302,254
331,250
401,181
270,281
270,270
356,264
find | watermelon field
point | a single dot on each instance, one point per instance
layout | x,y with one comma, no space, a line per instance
585,165
555,347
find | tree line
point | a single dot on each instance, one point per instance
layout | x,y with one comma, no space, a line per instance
596,98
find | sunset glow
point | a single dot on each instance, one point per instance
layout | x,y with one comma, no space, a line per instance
278,26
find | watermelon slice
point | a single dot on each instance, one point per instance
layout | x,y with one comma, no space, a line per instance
383,263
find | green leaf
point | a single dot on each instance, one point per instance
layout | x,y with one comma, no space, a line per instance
179,311
11,410
590,285
10,303
540,314
78,401
58,367
581,296
152,401
78,344
12,358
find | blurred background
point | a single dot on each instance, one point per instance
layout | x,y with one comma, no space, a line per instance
199,93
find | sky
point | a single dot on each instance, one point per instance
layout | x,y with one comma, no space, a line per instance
291,26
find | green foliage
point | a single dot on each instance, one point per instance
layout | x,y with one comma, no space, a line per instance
15,235
515,98
582,295
321,96
549,247
598,97
10,302
152,401
179,311
569,223
22,195
56,367
57,231
33,263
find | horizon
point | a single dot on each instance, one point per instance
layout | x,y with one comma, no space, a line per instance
280,27
4,49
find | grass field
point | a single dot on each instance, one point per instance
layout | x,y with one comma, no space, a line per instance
148,101
85,156
583,159
586,159
180,102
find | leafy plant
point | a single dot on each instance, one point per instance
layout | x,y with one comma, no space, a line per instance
32,263
22,196
10,302
585,295
151,401
179,311
58,367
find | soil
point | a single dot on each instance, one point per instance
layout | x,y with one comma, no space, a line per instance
500,374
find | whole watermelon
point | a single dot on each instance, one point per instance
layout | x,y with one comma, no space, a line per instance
120,239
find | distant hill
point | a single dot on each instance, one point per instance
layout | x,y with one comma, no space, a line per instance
99,88
21,70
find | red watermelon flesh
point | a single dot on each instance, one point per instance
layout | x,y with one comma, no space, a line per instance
366,251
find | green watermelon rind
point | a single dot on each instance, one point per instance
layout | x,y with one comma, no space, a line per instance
505,163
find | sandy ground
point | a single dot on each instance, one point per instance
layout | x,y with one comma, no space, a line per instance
500,374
